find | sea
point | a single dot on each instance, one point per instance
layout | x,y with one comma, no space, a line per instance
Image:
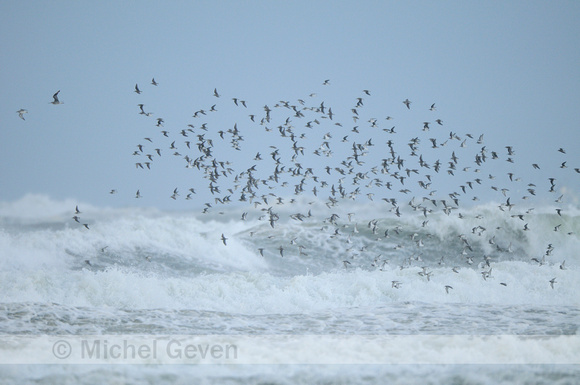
345,294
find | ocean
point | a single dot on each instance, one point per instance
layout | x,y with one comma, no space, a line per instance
354,285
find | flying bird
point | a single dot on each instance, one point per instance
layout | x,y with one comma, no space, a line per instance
55,97
21,113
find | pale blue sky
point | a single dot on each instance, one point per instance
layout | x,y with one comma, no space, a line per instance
508,69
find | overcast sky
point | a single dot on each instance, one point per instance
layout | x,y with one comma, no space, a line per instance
507,69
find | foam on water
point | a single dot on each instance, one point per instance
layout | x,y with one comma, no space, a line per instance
259,293
299,374
165,260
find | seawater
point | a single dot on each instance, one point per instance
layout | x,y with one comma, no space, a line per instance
363,271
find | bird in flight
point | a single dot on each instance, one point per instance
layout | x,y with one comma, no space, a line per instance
137,90
154,82
55,97
21,113
407,102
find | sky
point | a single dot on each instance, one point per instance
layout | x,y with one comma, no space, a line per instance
507,69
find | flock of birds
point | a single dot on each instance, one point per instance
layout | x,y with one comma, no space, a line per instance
298,144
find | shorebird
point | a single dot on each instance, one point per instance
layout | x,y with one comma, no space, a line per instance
552,282
247,185
137,90
224,239
21,113
143,111
55,97
154,82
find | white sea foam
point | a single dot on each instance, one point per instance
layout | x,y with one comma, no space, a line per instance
148,259
154,272
259,293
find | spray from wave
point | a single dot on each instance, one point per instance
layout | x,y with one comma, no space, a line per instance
135,258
